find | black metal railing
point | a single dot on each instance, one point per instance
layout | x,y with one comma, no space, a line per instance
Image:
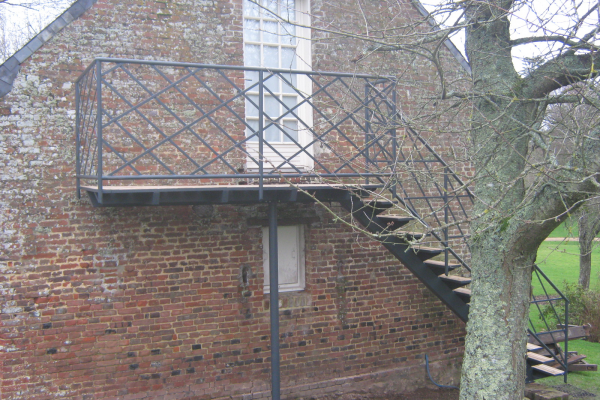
550,320
197,124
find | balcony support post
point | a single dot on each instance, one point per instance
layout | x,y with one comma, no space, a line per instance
274,301
77,140
99,127
261,135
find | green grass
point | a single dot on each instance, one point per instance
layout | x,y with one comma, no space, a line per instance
560,261
588,381
568,228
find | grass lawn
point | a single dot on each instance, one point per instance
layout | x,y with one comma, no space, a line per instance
588,381
566,229
560,261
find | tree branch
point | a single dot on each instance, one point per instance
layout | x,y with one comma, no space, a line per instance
555,38
563,70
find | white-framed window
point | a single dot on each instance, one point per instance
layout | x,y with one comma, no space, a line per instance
291,262
276,35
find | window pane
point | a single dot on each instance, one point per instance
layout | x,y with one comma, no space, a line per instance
250,132
252,30
271,55
290,102
271,83
271,107
252,110
272,133
291,131
288,34
270,34
288,58
287,10
270,5
250,9
252,55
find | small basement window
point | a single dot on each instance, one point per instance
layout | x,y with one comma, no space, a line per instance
290,243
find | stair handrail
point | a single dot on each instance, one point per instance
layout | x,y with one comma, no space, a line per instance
394,120
563,361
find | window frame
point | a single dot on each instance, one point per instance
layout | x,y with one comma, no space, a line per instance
301,259
304,122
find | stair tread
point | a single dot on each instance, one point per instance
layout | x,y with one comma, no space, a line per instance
539,358
379,202
441,264
392,218
463,291
548,370
533,347
456,278
428,249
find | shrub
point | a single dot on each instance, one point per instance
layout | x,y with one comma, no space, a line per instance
584,308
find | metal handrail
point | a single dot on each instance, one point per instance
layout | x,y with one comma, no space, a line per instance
563,359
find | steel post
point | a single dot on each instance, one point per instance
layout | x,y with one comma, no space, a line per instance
77,140
99,138
274,301
261,135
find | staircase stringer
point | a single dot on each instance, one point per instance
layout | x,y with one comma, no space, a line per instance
402,251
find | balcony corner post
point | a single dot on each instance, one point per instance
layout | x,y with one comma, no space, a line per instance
99,140
77,142
274,301
261,126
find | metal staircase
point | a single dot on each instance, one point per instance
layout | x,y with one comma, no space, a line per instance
184,125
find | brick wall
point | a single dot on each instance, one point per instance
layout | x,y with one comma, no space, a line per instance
148,302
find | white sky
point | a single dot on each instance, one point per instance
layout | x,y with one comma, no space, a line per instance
536,18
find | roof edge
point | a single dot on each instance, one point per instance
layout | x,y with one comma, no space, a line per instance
448,43
10,68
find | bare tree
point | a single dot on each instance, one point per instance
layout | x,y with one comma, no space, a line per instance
571,122
523,187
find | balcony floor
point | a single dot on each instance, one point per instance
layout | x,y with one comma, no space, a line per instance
128,196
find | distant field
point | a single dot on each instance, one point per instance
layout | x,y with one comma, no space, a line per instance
566,229
560,261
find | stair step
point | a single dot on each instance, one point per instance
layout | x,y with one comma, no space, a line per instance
533,347
548,370
425,253
393,222
575,332
463,293
582,366
539,358
378,206
455,281
439,267
410,235
570,360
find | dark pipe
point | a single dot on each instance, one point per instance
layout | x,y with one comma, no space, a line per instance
431,379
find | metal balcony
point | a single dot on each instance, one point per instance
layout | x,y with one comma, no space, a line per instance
151,132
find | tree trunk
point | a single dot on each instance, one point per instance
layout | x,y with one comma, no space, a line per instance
589,226
499,311
585,265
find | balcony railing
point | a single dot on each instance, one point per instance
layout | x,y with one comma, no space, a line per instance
150,120
194,124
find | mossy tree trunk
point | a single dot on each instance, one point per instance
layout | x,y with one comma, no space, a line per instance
511,219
